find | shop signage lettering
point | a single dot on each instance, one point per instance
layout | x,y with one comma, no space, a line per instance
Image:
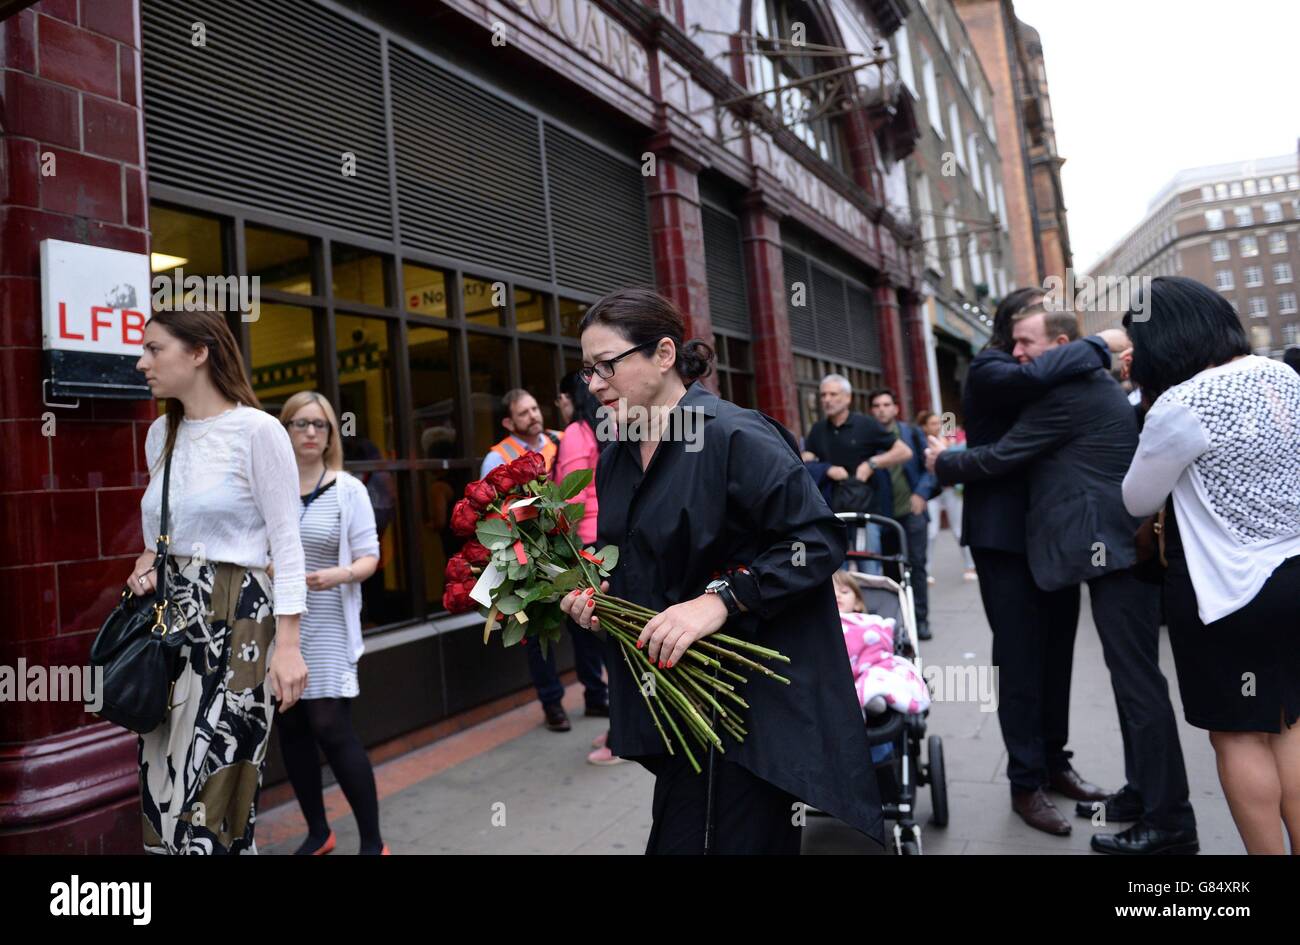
93,299
585,27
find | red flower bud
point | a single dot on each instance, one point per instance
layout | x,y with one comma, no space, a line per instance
456,598
458,570
500,479
481,493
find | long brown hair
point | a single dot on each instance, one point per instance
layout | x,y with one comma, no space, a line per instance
206,329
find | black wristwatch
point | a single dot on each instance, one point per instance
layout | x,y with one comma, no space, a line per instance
722,587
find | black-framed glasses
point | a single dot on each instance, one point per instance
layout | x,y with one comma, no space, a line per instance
606,368
320,426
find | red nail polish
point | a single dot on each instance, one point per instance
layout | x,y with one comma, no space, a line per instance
670,664
638,644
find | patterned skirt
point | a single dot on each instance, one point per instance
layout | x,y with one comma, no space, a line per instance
201,770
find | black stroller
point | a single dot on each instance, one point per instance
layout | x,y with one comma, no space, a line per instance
896,738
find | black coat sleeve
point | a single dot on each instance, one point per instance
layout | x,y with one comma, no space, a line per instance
995,378
770,492
1042,427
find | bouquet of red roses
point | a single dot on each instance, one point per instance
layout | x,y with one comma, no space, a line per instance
523,557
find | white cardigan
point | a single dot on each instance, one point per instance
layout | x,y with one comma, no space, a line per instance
357,538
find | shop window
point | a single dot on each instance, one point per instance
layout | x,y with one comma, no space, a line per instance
281,261
435,392
489,379
386,595
358,275
283,354
537,365
366,387
485,302
441,489
571,313
530,310
426,291
185,241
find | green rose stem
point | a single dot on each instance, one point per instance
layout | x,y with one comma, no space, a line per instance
752,647
648,704
742,660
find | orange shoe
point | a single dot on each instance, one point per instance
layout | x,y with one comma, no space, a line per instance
385,851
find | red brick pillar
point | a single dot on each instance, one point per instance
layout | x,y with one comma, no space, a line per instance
677,237
891,340
71,479
778,396
917,334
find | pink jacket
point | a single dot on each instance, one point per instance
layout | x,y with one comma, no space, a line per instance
578,450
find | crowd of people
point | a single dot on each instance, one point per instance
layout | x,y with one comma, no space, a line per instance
1158,463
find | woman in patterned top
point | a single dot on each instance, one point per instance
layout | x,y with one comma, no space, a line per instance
1222,440
337,524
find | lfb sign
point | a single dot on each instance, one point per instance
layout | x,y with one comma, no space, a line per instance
95,302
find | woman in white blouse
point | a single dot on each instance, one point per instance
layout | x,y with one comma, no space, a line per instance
233,504
1222,437
337,524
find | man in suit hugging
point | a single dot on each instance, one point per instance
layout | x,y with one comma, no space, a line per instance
1077,442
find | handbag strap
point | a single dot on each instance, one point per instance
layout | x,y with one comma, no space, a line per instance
164,538
1160,535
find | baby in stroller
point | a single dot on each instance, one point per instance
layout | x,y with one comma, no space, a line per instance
883,679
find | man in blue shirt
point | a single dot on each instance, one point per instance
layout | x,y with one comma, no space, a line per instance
906,489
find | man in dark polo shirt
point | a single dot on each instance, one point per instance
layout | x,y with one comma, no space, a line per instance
854,444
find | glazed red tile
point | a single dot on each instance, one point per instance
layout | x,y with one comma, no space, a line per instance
18,41
110,129
83,185
117,19
119,521
92,454
76,57
21,373
88,591
26,455
20,311
31,594
42,110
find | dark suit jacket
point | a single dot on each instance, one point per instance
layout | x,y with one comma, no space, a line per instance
993,511
1077,442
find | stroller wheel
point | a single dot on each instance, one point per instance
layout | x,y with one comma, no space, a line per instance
910,848
938,782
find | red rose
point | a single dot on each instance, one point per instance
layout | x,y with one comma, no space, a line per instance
500,479
458,571
528,467
474,552
456,598
481,493
464,517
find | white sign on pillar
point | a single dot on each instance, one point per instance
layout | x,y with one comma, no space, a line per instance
94,303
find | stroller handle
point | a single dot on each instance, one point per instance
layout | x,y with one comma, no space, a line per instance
866,518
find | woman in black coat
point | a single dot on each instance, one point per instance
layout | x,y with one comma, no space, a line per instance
721,492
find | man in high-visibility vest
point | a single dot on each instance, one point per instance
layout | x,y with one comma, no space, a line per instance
522,419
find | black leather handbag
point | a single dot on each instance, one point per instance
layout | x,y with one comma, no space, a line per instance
138,648
852,495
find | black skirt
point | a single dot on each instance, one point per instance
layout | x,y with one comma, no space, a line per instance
1240,673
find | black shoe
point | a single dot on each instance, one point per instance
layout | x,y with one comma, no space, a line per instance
923,631
599,710
1144,840
1124,806
557,720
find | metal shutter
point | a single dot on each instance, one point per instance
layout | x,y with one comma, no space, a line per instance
864,328
469,170
263,113
803,333
832,314
725,268
598,216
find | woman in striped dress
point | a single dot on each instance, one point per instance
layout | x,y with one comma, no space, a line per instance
341,547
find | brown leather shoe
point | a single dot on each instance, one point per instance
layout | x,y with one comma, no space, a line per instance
1067,781
1037,810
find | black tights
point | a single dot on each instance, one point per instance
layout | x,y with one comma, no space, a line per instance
328,723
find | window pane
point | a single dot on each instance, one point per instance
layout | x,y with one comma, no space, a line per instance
571,313
739,351
366,387
742,390
489,379
720,344
283,354
358,274
530,310
426,290
184,241
537,364
442,489
435,392
281,260
386,596
485,302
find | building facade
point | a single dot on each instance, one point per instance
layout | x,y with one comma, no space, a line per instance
956,192
430,199
1232,227
1012,55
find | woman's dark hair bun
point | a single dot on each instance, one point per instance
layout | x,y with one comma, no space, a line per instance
695,360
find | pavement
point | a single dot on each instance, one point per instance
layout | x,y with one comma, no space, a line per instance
508,785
